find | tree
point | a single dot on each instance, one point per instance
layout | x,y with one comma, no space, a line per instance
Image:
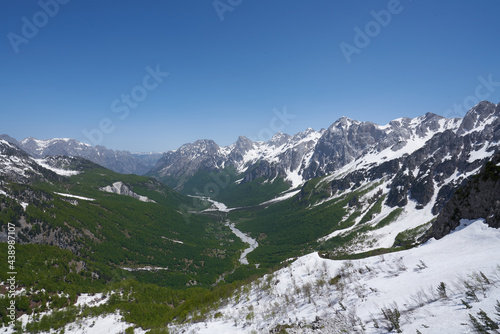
478,327
392,316
441,289
488,323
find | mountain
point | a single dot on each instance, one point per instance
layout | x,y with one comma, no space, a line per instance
478,198
120,221
344,146
283,155
119,161
336,217
17,166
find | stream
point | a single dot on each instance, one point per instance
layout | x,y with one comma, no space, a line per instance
252,243
246,239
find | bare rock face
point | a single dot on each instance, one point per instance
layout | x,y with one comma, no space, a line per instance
479,198
121,188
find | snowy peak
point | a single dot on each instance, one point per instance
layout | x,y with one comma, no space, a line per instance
344,144
282,154
17,166
278,139
56,146
482,114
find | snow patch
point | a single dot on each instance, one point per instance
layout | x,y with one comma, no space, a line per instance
146,268
282,197
58,171
74,196
91,300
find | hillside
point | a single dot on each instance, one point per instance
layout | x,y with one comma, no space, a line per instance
340,212
312,294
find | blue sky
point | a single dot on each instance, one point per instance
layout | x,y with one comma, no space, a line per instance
229,77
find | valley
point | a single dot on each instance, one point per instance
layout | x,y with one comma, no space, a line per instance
332,230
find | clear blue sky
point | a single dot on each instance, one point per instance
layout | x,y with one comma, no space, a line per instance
227,76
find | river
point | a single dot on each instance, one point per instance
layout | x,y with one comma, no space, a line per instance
252,243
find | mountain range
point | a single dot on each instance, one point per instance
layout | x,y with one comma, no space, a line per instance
182,218
118,161
296,158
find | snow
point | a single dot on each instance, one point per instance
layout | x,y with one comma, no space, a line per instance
59,171
86,299
245,238
74,196
146,268
407,279
173,240
216,206
479,154
109,324
282,197
294,178
271,152
4,142
45,143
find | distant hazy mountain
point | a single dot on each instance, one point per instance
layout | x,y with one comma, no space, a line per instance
118,161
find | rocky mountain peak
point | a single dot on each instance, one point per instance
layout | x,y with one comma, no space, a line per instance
478,115
279,139
206,146
243,144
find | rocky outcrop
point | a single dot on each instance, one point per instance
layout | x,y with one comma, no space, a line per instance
479,198
261,169
121,188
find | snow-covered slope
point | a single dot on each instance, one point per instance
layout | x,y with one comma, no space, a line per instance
314,295
414,178
17,166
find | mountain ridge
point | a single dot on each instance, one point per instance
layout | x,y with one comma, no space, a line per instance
311,153
122,162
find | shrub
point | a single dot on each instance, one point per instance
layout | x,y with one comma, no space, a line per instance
392,317
441,289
